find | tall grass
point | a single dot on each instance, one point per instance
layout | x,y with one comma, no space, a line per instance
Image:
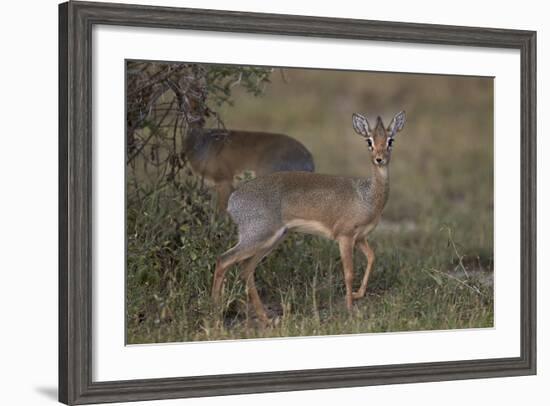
421,281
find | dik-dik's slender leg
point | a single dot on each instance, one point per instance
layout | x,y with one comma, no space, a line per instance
346,253
369,253
247,274
247,248
236,254
223,191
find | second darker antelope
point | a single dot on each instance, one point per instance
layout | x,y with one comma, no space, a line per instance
344,209
220,155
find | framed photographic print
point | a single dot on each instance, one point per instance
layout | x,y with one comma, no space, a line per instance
257,202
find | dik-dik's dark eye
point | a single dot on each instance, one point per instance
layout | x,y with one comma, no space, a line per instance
390,142
369,143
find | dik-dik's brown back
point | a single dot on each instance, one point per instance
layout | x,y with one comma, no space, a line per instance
220,155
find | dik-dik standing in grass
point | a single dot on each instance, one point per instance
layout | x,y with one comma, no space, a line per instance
220,155
344,209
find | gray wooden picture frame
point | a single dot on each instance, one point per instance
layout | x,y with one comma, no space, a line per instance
76,20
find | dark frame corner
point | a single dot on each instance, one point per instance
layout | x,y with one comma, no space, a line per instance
75,25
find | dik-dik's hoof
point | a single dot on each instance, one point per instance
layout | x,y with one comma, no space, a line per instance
268,322
268,319
274,321
358,295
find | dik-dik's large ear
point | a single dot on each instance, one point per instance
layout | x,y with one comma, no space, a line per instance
361,125
397,123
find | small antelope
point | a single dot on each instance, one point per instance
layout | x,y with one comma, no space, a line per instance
344,209
220,155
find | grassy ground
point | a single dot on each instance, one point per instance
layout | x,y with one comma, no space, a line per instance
434,247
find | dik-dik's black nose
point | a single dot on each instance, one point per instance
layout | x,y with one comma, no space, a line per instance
378,160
